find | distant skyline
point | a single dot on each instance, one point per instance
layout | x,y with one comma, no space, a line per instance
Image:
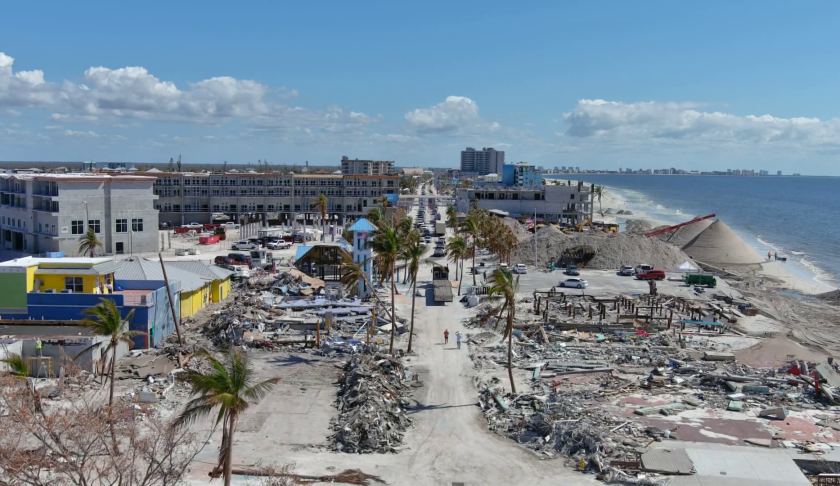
712,86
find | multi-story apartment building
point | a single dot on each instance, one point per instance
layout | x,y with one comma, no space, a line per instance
366,167
194,197
50,212
485,161
557,204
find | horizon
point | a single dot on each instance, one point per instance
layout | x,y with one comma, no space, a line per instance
642,87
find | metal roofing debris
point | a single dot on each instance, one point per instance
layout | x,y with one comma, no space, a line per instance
667,461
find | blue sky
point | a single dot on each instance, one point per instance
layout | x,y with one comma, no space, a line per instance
655,84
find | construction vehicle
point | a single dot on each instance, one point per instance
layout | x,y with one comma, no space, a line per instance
442,285
678,226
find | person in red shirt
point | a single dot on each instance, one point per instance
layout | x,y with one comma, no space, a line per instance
446,336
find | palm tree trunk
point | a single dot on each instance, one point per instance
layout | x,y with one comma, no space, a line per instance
413,298
229,452
111,398
393,321
376,296
510,352
475,241
462,276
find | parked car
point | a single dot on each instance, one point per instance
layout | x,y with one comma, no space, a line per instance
164,225
240,259
230,225
223,260
180,252
626,270
644,267
427,240
256,241
576,283
193,251
572,270
520,268
193,225
651,275
244,245
279,245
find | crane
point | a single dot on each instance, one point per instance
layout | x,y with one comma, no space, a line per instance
678,226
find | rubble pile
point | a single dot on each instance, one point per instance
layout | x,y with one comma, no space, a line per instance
372,403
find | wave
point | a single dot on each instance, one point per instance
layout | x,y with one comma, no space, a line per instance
820,274
797,252
679,212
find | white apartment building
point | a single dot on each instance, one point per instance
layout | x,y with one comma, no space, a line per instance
556,204
485,161
50,212
366,167
186,197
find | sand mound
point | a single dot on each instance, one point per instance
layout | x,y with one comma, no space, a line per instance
595,249
518,228
638,226
683,235
718,244
832,297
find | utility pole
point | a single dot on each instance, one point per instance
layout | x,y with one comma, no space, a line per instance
171,302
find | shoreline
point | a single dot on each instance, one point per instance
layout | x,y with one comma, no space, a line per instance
805,280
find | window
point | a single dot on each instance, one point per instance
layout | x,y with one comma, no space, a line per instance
122,226
136,224
96,225
74,283
77,227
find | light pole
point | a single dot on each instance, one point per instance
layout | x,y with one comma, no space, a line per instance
87,217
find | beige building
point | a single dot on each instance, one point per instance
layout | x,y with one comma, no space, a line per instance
366,167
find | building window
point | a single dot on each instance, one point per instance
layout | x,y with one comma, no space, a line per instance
74,283
122,226
77,227
96,225
136,224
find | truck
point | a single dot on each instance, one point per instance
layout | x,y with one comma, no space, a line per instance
701,279
440,228
442,285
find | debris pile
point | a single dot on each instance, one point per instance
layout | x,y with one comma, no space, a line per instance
372,403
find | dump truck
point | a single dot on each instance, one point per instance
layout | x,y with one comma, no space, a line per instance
701,279
443,287
440,228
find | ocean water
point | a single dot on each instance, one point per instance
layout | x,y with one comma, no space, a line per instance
798,217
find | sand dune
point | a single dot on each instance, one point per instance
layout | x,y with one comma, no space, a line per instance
684,235
719,245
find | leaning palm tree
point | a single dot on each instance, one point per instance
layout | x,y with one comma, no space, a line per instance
506,285
457,250
599,192
104,319
472,227
88,243
386,246
412,254
321,205
231,386
353,273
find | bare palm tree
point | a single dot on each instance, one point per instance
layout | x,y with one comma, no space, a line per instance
506,285
412,254
231,386
88,243
321,205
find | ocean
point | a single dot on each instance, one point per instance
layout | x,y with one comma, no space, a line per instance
798,217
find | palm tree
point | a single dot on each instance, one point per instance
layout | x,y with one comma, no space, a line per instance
451,212
412,254
231,386
599,192
386,246
88,243
17,366
457,250
355,273
321,205
375,216
474,204
471,226
506,285
104,319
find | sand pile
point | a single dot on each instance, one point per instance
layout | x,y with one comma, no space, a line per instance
719,245
597,250
832,297
638,226
518,228
683,235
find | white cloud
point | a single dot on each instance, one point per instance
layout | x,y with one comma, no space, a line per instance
394,137
119,138
12,112
53,127
682,122
59,116
455,114
209,137
81,134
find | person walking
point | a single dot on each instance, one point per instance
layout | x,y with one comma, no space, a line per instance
446,336
458,338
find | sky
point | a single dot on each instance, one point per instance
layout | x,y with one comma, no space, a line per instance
708,85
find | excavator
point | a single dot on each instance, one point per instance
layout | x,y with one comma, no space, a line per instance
606,227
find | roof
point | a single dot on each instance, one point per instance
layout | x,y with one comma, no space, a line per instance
211,272
302,250
362,224
142,269
102,269
30,261
23,331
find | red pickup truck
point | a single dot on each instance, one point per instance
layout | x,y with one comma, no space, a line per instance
651,275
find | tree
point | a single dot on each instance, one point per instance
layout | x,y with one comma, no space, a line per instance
506,285
321,205
88,243
231,386
457,250
179,163
599,192
375,216
104,319
412,254
473,204
471,226
17,366
354,273
386,246
171,167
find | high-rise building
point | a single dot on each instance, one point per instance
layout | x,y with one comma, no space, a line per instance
485,161
778,172
366,167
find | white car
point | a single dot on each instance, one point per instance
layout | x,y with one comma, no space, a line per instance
520,268
279,245
244,245
575,283
193,225
644,267
230,225
180,252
